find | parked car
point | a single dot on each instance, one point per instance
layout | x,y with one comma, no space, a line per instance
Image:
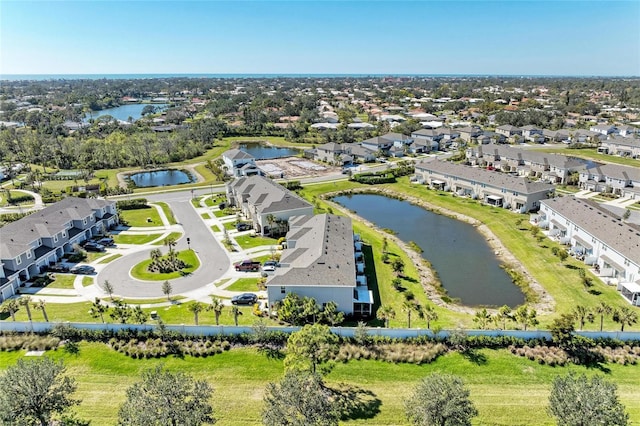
57,268
247,266
91,246
243,226
271,262
268,268
83,270
244,299
106,241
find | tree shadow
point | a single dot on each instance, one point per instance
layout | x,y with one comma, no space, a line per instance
571,266
271,352
474,356
586,357
354,402
595,292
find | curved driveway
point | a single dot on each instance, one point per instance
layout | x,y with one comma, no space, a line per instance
214,261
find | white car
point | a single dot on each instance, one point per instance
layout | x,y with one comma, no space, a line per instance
268,268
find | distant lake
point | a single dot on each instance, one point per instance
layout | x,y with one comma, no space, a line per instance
161,178
123,112
466,265
266,152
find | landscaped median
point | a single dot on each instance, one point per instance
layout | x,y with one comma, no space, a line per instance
142,272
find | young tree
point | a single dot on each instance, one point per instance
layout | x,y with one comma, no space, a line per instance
26,302
120,311
216,306
625,316
576,400
505,314
398,266
526,317
10,306
311,346
196,308
236,312
562,330
165,398
300,399
167,289
482,318
98,310
108,288
140,316
33,392
330,314
440,399
408,307
385,313
583,314
41,304
429,314
603,309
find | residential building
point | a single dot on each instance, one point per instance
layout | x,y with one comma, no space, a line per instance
532,133
34,242
603,129
491,187
385,142
509,131
600,239
553,168
628,131
426,140
623,181
266,203
624,147
235,160
323,259
469,134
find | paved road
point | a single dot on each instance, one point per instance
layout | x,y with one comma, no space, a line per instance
214,261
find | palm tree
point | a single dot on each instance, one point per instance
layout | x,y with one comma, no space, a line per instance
482,318
26,302
236,313
40,304
155,254
429,314
398,266
108,287
408,307
582,314
98,310
171,243
603,309
625,316
271,219
385,313
196,308
216,306
10,306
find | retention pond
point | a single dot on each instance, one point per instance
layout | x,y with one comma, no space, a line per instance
466,265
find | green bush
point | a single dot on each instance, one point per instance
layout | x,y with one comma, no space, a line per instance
133,204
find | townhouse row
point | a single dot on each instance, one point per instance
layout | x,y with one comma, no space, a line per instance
31,244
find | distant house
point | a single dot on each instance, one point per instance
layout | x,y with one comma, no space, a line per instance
620,180
235,160
598,238
29,245
509,131
624,147
385,142
628,131
469,134
556,136
429,139
329,152
260,199
603,129
323,260
493,188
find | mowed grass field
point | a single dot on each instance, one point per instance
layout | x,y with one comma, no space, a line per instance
506,389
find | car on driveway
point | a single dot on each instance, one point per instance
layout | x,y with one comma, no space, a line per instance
106,241
244,299
57,268
243,227
91,246
83,270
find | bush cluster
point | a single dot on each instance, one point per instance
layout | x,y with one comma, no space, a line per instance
549,355
29,342
622,355
394,352
157,347
164,265
133,204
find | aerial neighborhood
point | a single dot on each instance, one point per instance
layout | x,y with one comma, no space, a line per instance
398,213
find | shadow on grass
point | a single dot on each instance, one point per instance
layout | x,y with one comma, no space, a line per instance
474,356
271,352
355,403
568,265
372,280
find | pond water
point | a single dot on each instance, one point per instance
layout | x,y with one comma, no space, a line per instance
466,265
161,178
123,112
265,152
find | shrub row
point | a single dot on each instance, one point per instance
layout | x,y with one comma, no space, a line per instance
157,348
395,353
29,342
133,204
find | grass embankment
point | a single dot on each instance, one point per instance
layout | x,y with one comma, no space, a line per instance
506,389
64,281
247,241
244,284
4,200
135,238
189,257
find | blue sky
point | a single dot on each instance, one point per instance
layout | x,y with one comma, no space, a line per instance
363,37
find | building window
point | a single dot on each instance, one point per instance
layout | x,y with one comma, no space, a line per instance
84,221
64,234
282,290
29,254
55,238
18,260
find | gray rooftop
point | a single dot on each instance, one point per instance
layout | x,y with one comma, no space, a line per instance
267,195
237,154
536,157
490,178
616,171
621,237
323,254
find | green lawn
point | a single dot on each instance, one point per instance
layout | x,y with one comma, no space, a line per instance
62,281
139,301
244,284
95,255
188,256
205,216
142,217
247,241
86,281
167,212
135,238
111,258
219,213
230,226
215,228
174,235
15,193
506,389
